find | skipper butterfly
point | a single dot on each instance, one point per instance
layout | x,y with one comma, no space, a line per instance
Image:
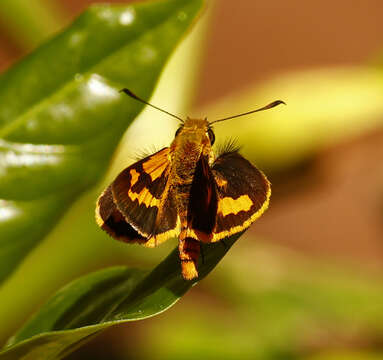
185,191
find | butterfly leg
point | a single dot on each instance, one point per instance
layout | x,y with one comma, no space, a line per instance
189,250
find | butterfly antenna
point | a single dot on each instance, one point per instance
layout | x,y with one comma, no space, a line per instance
269,106
134,96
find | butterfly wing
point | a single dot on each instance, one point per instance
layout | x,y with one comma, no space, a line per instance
243,194
112,221
203,202
138,207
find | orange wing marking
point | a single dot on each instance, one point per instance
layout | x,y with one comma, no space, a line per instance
144,197
155,166
228,205
135,175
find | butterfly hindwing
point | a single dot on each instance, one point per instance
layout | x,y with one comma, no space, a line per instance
243,194
140,194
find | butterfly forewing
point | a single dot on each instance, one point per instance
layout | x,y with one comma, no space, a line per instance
203,201
140,194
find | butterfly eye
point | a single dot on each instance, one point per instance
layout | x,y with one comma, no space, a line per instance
211,136
178,131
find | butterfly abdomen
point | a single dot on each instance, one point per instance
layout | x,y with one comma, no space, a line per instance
189,251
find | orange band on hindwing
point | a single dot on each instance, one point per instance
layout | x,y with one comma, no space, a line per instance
189,250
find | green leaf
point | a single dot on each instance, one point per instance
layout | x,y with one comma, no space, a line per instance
61,115
103,299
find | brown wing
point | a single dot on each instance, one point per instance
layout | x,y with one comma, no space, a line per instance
243,194
137,207
111,220
203,203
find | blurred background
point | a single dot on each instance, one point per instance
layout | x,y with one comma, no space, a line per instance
305,281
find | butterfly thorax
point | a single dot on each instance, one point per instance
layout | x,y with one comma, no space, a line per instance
190,143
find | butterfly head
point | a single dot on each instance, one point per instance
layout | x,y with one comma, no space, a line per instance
197,128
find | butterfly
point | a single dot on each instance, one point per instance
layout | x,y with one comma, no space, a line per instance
185,191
